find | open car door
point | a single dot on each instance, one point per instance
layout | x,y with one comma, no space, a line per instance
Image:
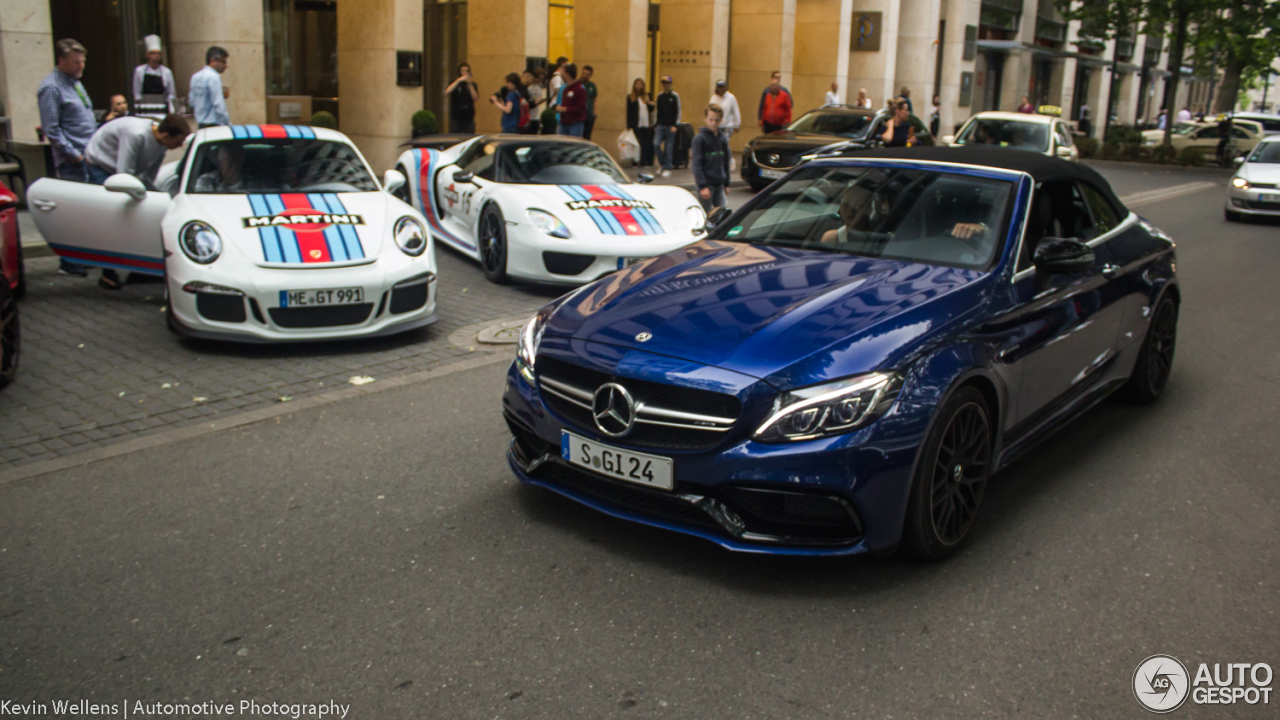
93,225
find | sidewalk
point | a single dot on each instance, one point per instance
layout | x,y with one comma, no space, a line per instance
681,177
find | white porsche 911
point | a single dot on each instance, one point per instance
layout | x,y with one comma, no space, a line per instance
262,233
546,209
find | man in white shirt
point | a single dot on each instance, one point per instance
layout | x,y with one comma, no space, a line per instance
152,78
833,95
208,98
732,119
1184,115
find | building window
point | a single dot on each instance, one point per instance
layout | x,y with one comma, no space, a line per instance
302,50
560,29
445,33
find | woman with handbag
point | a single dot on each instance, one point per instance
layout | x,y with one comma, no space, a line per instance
640,120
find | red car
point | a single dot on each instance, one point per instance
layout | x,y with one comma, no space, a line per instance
13,287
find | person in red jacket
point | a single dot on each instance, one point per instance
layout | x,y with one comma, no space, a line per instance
573,102
775,110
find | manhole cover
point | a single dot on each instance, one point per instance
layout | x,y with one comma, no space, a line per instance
506,333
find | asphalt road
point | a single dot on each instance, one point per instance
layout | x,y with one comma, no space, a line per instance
376,551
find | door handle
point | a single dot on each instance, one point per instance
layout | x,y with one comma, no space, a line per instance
45,205
1111,271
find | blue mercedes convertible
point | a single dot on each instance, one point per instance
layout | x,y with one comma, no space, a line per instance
843,363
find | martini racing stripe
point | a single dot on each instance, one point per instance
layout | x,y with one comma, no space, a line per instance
602,223
645,215
303,242
427,161
249,132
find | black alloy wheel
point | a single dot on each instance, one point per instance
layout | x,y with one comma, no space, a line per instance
10,335
1155,361
951,478
493,244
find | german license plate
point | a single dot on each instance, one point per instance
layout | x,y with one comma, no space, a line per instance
771,174
1269,198
333,296
628,262
639,468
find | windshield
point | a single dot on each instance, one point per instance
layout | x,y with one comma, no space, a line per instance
552,163
284,165
1006,133
844,124
925,216
1267,152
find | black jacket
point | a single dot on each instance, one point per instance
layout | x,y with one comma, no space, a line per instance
633,113
668,109
710,159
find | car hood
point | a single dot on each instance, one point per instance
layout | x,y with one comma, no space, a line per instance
1261,172
783,315
786,139
320,229
591,210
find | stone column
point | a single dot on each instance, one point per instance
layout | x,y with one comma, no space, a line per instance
917,53
761,40
610,37
235,25
26,57
375,112
501,34
875,70
959,13
694,51
822,51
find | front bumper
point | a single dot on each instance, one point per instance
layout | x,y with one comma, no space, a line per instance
1263,202
244,303
537,257
743,495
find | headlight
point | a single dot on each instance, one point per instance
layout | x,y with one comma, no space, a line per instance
831,408
411,237
696,217
548,223
530,336
200,242
1240,183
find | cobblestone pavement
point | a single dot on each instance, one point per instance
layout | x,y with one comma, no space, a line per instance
100,367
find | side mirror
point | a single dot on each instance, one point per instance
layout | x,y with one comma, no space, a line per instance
644,178
1238,161
393,180
127,184
716,217
948,139
1061,256
463,177
1064,151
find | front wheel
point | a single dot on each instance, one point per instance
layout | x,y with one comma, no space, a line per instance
951,478
1155,360
493,244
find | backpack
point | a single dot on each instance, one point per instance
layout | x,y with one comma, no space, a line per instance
524,113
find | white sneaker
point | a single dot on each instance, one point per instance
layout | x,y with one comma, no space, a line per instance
666,173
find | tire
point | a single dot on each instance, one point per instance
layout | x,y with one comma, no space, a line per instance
493,244
10,335
1154,365
951,478
1231,216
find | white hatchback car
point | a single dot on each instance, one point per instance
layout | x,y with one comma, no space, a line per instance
263,233
1255,189
1045,134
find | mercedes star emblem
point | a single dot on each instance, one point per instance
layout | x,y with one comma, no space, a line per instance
644,337
613,410
773,159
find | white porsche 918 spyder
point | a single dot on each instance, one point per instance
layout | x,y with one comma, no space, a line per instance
262,233
546,209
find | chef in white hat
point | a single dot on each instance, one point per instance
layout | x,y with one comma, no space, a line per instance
152,78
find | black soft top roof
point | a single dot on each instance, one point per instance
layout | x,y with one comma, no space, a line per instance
1041,168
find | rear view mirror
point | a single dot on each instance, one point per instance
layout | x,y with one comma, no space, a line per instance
1062,256
393,180
127,184
463,177
716,217
948,139
1064,151
644,178
1238,161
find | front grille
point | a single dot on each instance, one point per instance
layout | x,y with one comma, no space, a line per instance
654,396
312,317
220,307
1255,205
789,514
561,263
408,298
1262,186
784,161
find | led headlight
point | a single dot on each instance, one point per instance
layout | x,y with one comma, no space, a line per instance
548,223
411,237
697,218
1240,182
831,408
200,242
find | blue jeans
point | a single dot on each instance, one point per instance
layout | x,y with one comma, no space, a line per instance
96,175
75,172
718,199
664,134
572,129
